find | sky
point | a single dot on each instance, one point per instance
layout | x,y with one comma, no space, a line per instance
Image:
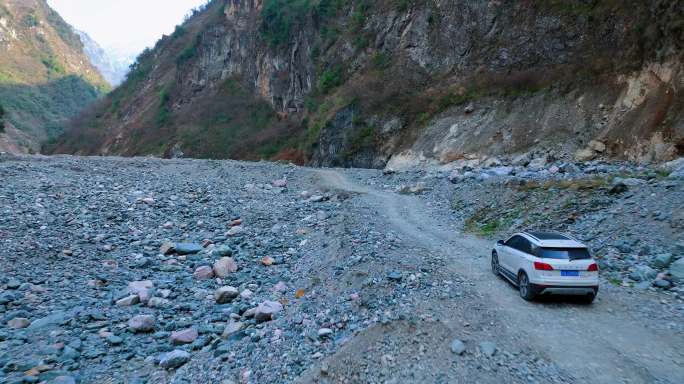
125,27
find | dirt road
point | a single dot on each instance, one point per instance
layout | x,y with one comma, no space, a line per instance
600,343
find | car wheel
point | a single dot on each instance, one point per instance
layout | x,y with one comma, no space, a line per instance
524,287
495,263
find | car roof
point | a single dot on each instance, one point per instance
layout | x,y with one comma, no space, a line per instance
552,240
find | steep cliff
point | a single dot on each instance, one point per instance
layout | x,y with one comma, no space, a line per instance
403,82
45,77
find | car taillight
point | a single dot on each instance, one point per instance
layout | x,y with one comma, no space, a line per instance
542,266
593,268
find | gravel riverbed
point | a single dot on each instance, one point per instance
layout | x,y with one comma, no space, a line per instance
194,271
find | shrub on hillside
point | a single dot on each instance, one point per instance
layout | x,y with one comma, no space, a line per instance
280,17
330,78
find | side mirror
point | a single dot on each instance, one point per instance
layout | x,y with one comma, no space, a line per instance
500,242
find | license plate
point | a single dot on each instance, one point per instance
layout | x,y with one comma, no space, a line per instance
570,273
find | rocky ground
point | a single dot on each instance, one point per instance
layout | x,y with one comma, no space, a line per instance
631,216
186,271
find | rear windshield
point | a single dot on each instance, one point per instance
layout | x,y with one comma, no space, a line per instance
563,253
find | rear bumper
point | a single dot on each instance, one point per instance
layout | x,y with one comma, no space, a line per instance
564,290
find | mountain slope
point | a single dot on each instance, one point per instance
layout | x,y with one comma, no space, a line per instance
113,70
403,83
45,77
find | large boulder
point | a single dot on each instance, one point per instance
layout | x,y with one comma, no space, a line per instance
184,336
187,248
203,273
677,271
585,155
144,289
225,295
663,260
597,146
142,323
174,359
18,323
232,328
128,301
643,273
224,267
266,310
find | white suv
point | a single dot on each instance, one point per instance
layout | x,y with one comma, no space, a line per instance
541,263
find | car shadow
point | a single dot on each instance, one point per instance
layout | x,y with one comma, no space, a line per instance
555,300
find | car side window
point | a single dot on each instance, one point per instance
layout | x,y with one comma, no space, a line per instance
514,242
520,243
525,246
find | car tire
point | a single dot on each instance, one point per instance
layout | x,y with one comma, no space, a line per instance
495,264
524,287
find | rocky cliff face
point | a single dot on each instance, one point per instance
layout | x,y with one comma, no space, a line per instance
404,83
45,77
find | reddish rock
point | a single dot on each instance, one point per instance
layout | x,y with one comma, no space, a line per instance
267,261
203,273
142,323
18,323
224,267
185,336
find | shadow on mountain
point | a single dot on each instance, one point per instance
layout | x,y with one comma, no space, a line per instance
43,110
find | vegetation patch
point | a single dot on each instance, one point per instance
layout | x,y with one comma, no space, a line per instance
592,9
545,205
54,68
179,32
189,52
572,184
280,18
363,138
46,105
330,78
486,222
164,111
63,29
233,123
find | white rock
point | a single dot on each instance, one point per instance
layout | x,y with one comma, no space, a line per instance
585,154
325,332
225,294
224,267
597,146
128,301
246,294
231,328
266,310
235,231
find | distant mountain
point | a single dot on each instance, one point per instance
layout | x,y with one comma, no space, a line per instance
113,69
45,76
